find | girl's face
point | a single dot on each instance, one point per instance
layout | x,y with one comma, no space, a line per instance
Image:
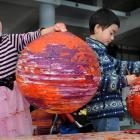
0,31
0,27
105,36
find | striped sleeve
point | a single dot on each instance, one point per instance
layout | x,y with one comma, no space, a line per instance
19,41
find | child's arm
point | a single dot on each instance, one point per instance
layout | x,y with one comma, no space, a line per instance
120,79
127,67
19,41
112,82
130,69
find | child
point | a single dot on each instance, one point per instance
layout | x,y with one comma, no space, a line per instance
15,119
106,107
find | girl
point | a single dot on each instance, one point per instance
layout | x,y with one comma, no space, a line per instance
15,119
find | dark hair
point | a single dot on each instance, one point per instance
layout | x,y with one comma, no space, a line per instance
104,17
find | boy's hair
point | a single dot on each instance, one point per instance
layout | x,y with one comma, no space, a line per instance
104,17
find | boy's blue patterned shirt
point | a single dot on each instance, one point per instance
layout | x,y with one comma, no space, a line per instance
108,99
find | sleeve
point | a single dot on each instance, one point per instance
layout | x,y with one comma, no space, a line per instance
126,67
19,41
117,80
113,82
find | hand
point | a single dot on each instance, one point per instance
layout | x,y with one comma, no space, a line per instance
131,79
58,27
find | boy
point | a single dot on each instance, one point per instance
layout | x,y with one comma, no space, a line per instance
106,107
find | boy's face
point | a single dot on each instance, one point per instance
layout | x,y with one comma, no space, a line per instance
106,36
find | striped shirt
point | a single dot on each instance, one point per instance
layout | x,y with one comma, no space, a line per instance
10,47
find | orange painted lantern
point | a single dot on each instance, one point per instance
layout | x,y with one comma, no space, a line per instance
133,101
42,121
58,72
41,118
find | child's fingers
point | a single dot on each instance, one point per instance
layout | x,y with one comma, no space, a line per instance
60,27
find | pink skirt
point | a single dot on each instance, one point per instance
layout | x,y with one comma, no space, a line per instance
15,119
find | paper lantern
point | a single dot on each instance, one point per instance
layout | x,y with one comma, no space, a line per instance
41,118
42,121
58,72
133,101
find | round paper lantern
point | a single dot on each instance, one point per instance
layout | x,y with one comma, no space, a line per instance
133,101
58,72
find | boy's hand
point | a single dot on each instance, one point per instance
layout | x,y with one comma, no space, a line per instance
58,27
131,79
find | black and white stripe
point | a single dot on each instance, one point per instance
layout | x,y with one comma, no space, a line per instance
10,47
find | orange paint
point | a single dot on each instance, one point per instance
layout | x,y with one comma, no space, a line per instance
133,101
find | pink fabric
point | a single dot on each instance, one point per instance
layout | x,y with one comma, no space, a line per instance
15,119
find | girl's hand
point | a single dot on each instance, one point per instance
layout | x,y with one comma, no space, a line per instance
58,27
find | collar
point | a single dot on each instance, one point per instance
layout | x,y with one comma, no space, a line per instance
98,44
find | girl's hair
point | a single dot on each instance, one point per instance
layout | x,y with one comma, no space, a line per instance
104,17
